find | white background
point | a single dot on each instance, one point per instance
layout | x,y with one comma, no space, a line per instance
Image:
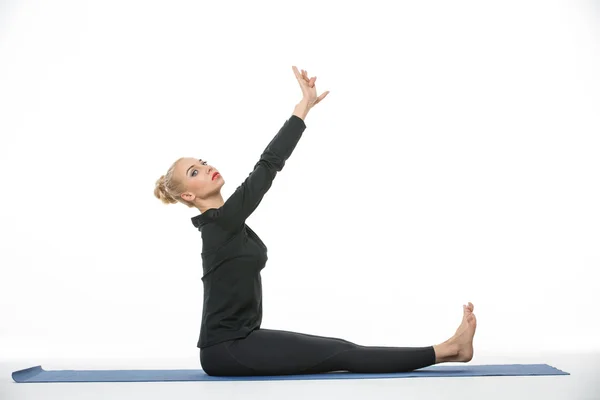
455,159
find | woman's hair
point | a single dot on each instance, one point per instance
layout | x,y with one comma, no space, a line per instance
168,189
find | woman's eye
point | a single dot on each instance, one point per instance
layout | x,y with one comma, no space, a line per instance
202,162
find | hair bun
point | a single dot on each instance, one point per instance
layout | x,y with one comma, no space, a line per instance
160,191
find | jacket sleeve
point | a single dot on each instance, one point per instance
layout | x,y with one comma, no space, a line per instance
246,198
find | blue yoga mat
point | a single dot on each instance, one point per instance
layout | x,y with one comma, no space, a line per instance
38,374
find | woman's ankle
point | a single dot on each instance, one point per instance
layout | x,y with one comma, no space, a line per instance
445,352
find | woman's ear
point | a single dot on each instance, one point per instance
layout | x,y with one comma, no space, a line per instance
187,196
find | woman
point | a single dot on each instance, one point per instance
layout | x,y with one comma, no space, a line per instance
231,341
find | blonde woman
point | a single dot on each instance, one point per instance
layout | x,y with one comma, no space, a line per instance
232,342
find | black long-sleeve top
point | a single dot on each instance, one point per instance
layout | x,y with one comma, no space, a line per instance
232,254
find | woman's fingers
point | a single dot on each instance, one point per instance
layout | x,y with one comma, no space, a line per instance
305,75
302,77
299,76
321,97
307,83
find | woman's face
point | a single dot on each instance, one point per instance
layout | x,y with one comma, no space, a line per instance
199,178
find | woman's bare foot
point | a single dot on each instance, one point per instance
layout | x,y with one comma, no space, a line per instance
467,310
464,337
459,348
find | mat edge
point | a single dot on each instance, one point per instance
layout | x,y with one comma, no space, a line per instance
23,375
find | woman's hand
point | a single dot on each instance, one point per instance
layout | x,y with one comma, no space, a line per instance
309,92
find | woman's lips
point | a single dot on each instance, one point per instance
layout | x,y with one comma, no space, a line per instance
215,175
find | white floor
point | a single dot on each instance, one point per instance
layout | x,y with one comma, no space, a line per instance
583,383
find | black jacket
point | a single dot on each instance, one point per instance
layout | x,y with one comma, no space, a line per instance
232,254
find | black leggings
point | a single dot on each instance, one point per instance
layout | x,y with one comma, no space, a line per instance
274,352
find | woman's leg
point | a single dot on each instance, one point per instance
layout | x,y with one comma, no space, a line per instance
275,352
